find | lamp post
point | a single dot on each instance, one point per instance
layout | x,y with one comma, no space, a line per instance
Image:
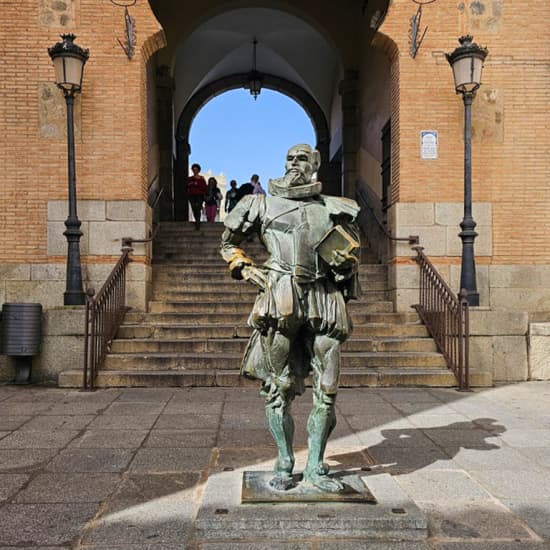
467,64
69,60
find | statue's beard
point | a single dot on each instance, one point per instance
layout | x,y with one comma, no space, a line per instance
293,186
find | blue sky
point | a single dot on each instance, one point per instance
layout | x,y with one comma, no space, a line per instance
238,136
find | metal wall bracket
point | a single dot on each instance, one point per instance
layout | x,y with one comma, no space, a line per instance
129,45
415,38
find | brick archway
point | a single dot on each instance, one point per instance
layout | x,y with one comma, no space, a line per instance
233,82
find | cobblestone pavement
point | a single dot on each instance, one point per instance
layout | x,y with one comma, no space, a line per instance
126,468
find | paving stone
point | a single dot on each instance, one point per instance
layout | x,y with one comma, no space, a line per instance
436,408
407,395
444,421
32,547
398,460
246,457
194,408
187,421
4,434
502,458
181,438
526,437
43,524
36,395
133,409
536,513
112,422
48,423
251,545
73,408
434,485
91,460
364,545
256,421
408,438
10,484
23,409
24,460
248,437
9,423
492,545
506,484
142,546
146,395
50,487
540,455
374,408
109,439
170,460
467,435
161,520
38,439
366,422
475,520
138,489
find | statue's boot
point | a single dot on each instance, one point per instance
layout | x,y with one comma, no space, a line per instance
320,424
281,426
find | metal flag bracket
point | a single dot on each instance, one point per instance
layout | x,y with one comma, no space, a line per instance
414,30
130,43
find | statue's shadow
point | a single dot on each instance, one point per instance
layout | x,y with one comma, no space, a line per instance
405,450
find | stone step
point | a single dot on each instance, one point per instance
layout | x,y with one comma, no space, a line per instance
224,313
182,267
198,361
348,379
223,277
217,287
245,297
177,295
171,331
237,345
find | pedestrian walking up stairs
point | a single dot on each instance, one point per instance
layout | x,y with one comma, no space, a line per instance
195,330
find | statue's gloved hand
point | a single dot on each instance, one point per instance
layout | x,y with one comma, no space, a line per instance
254,275
343,260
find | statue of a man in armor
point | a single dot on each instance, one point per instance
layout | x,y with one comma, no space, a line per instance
299,317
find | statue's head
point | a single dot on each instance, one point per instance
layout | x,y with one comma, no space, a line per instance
301,165
302,161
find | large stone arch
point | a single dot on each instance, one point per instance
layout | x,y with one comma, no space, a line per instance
233,82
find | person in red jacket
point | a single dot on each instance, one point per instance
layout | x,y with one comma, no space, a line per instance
196,189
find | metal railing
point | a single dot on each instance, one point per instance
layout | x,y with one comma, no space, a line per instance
105,312
446,317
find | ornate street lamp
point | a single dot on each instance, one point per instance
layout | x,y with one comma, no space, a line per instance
254,83
467,64
68,60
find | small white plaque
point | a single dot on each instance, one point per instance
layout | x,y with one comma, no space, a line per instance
428,144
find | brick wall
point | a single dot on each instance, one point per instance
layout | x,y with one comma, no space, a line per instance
511,138
111,135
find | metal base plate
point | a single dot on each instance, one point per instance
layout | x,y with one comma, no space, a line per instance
256,488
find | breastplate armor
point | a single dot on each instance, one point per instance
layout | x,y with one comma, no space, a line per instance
290,231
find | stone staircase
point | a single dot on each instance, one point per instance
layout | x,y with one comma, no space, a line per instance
195,331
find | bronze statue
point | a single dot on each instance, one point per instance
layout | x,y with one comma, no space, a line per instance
299,317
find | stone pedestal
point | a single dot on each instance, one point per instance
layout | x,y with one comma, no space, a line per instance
222,517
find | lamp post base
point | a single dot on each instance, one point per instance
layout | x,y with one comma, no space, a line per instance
73,298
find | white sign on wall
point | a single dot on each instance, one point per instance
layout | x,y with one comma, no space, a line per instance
428,144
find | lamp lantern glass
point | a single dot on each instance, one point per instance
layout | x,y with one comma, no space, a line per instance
68,60
467,64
